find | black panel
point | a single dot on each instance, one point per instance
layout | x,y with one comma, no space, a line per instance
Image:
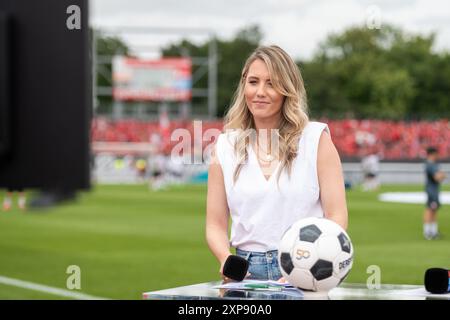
286,262
322,269
5,106
310,233
50,87
345,242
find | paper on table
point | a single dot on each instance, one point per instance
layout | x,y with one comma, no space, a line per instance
243,284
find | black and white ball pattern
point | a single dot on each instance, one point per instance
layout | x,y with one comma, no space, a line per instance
315,254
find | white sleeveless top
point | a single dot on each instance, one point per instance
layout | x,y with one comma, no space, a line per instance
261,210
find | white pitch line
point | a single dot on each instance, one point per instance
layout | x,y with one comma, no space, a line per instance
47,289
412,197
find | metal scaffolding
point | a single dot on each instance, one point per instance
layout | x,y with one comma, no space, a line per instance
207,65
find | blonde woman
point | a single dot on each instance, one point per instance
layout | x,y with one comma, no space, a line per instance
271,166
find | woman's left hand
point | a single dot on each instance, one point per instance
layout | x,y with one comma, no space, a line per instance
282,280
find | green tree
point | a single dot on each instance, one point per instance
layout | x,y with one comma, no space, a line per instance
107,47
380,73
429,71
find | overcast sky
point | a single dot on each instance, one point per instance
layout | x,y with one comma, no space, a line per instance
298,26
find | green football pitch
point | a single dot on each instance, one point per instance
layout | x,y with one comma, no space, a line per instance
127,240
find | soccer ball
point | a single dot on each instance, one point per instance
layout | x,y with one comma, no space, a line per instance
315,254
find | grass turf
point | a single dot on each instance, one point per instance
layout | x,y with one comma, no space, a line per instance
128,240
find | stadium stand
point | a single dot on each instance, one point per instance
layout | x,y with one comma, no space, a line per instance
393,140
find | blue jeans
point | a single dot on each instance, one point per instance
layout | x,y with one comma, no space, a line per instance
262,265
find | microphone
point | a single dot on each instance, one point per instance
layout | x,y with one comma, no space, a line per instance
235,268
437,280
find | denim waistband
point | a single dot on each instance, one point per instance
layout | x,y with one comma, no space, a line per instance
247,254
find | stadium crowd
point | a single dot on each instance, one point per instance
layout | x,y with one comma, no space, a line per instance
391,140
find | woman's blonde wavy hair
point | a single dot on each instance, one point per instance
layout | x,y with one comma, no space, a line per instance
287,80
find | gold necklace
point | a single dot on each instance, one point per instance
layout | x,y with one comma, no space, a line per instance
267,157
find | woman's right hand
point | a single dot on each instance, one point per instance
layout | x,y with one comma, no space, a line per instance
222,263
